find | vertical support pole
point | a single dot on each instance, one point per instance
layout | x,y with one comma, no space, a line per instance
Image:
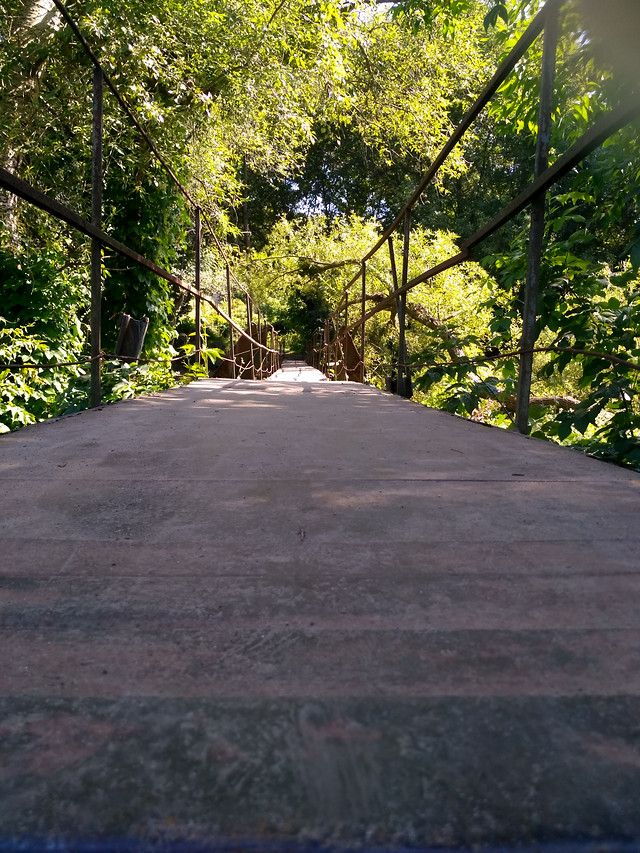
363,308
404,380
198,340
392,260
96,248
260,351
394,283
345,346
250,327
274,355
325,349
245,206
333,351
232,351
536,229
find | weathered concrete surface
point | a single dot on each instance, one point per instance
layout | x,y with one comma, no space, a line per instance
314,612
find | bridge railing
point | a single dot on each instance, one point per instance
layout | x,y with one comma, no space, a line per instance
254,351
337,353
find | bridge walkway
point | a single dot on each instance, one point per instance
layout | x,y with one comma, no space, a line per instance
298,611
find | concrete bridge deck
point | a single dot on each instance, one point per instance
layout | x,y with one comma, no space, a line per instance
298,612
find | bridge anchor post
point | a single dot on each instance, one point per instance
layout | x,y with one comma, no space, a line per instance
404,379
232,352
96,246
198,340
536,230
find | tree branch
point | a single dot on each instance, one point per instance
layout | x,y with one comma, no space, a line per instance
422,316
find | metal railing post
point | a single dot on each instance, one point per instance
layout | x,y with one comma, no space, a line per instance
272,355
345,333
330,355
260,351
404,380
96,246
276,348
250,330
364,309
198,338
333,357
232,352
394,282
346,310
325,349
536,229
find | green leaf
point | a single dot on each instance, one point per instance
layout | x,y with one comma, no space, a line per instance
564,429
497,11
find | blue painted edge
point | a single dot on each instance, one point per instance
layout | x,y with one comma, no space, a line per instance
130,845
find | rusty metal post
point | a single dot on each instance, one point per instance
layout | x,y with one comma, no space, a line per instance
232,352
392,260
346,332
536,228
260,350
363,308
274,347
198,338
404,379
325,349
245,206
250,329
394,283
96,247
271,354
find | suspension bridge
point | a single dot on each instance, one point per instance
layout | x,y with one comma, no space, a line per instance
300,614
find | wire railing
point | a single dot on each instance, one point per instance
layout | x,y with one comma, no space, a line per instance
335,351
254,351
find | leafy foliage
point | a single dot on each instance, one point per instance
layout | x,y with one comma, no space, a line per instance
28,395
